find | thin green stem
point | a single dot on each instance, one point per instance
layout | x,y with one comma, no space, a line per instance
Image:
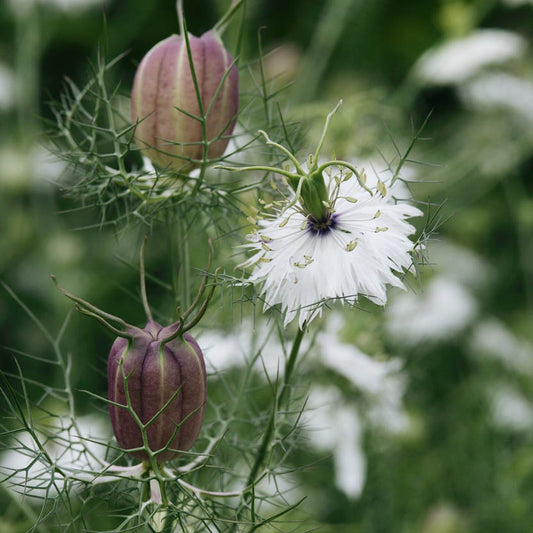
295,161
274,170
197,90
221,25
168,526
174,261
263,78
324,133
23,505
181,18
183,259
105,318
203,284
405,156
268,435
203,308
289,366
143,285
111,119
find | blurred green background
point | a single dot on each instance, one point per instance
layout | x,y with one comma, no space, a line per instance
462,458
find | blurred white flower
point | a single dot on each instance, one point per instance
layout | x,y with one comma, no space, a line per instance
23,168
510,409
501,91
517,3
46,166
22,8
29,472
492,339
73,5
380,381
457,60
357,250
444,309
7,87
233,348
332,426
460,264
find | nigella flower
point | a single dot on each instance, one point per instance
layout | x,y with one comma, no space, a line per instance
357,249
339,237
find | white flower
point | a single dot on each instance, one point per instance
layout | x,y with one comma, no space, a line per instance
457,60
358,249
501,91
445,310
7,87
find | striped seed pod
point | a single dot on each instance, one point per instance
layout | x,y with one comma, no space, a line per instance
173,129
164,384
157,381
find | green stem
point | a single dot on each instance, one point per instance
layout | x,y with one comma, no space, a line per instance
168,527
183,260
181,18
198,92
174,262
221,25
289,366
270,430
282,148
25,508
110,113
143,285
323,136
262,168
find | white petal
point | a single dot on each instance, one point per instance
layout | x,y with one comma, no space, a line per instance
360,255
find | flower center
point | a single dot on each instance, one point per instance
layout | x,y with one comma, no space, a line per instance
322,226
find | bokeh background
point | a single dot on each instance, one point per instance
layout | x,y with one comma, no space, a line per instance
420,417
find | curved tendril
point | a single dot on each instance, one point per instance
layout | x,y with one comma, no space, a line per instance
203,309
179,330
86,306
144,298
324,132
264,168
201,290
295,162
350,167
117,332
297,194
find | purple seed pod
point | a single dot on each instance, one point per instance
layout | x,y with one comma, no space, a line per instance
164,97
157,381
166,383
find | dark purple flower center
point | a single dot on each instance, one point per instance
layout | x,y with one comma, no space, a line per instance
322,226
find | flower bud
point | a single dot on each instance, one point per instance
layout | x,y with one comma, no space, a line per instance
164,101
164,383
